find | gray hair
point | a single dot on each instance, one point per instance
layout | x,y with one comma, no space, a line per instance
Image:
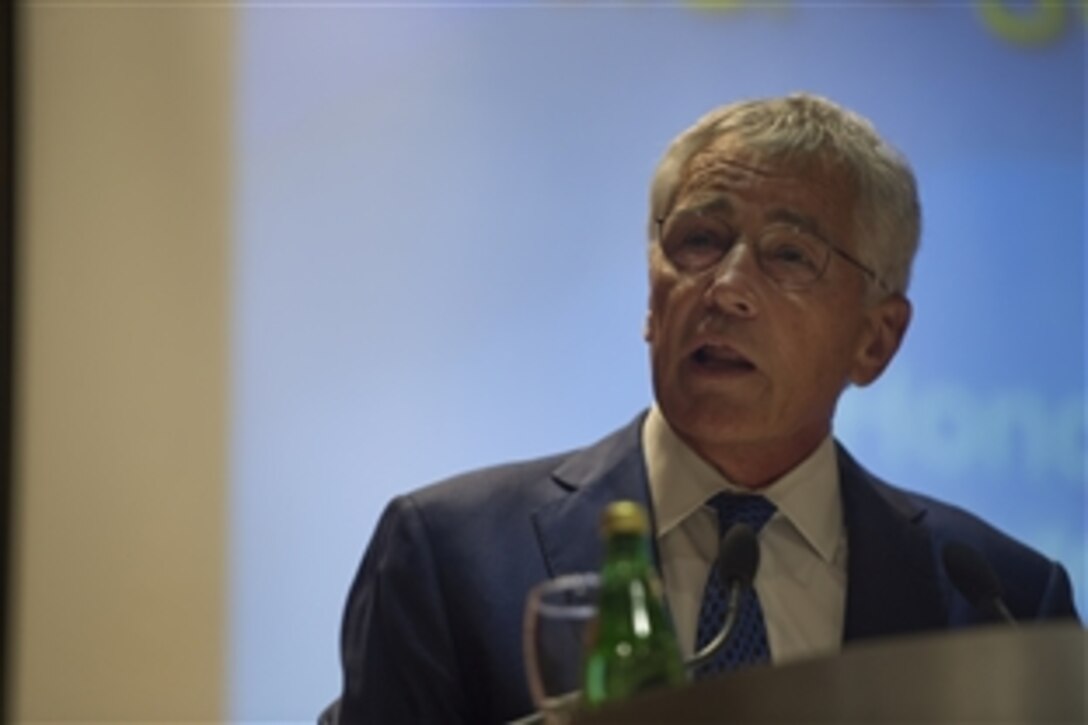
804,128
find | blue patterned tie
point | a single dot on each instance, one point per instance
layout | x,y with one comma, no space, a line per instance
748,643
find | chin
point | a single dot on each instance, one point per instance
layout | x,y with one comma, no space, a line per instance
717,424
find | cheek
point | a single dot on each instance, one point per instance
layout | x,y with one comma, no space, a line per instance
672,309
662,289
832,357
817,344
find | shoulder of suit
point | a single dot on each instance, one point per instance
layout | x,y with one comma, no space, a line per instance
948,522
490,485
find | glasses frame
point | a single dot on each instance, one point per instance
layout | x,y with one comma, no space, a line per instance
864,268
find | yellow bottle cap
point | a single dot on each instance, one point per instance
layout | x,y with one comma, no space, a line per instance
624,517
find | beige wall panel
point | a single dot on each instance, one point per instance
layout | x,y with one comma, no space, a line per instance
121,495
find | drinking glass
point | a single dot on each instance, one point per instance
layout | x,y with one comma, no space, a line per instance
559,616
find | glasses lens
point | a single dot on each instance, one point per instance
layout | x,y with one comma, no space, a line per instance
791,256
694,243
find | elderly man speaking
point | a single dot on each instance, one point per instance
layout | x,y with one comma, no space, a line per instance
781,236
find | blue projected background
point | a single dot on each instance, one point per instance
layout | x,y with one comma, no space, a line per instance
441,263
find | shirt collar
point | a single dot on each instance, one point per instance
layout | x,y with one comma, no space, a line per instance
681,482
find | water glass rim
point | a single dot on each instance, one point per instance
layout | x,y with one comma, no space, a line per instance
566,582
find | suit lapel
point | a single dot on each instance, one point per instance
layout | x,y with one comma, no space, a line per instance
568,527
892,585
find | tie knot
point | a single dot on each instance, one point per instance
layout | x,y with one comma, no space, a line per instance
741,508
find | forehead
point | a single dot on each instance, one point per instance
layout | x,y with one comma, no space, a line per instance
730,168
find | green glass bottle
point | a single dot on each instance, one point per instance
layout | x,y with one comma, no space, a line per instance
632,647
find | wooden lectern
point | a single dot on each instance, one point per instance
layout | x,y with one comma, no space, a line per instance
1006,674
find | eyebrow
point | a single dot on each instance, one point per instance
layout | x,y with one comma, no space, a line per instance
721,205
713,205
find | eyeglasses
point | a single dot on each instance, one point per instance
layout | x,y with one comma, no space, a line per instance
792,256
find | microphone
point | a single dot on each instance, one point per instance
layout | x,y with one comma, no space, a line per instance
738,559
974,578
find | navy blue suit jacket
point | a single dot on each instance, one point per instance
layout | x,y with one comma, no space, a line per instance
432,627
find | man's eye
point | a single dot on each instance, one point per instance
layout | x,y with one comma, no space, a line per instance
696,249
792,251
701,241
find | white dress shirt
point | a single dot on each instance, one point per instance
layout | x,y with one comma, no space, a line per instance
801,581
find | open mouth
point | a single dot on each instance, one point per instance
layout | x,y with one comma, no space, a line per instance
721,359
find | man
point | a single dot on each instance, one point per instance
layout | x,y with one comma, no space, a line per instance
781,239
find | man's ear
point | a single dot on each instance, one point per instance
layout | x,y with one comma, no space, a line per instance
886,324
648,327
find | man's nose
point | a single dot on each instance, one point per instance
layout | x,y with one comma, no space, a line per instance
735,279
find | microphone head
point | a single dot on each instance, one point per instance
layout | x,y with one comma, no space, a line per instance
971,574
738,555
